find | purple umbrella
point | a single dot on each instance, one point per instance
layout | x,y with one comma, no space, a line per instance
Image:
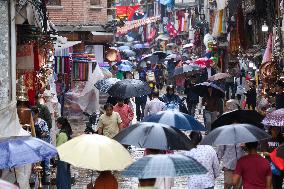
275,118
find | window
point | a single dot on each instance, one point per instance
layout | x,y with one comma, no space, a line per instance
53,2
95,2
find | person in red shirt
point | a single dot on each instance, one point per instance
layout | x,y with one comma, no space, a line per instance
106,180
254,170
125,112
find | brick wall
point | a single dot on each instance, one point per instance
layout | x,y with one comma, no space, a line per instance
78,12
5,77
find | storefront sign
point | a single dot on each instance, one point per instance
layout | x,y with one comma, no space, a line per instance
126,11
130,25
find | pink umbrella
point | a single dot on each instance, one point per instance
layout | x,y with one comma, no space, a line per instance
203,61
275,118
7,185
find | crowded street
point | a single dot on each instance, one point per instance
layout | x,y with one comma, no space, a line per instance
142,94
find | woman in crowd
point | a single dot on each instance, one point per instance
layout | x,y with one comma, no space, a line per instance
207,156
63,176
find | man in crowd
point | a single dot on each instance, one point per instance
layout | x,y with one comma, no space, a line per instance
140,106
154,106
279,96
44,112
253,169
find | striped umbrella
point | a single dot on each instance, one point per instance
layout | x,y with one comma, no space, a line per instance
170,165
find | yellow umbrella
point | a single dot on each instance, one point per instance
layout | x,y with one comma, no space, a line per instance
95,152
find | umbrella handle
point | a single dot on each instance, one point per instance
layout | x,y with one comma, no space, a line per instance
16,182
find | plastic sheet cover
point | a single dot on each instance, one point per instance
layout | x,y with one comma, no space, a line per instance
84,97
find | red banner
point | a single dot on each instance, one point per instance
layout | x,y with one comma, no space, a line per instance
126,11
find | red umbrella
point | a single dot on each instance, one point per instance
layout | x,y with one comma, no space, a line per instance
278,161
203,61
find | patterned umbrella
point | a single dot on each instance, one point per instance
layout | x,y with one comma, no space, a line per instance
18,151
202,61
128,88
235,134
219,76
171,165
104,85
202,90
154,136
176,119
275,118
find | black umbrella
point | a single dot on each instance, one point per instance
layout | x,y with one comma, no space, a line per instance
239,116
235,134
202,90
128,88
104,85
160,54
154,136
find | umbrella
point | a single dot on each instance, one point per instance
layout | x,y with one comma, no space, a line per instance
6,185
125,68
219,76
189,45
202,61
21,150
185,69
95,152
169,165
103,85
123,48
202,90
235,134
275,118
277,157
171,56
163,37
176,119
154,136
129,53
160,54
128,88
239,116
141,46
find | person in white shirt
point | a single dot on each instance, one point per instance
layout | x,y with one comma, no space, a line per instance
207,156
154,105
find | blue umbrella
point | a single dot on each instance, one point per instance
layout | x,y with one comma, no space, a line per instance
125,68
123,48
176,119
140,46
170,165
18,151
